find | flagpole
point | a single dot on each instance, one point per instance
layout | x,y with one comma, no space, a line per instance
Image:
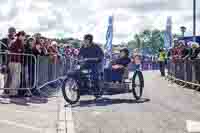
194,20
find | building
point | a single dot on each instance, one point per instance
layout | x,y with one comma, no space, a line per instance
189,39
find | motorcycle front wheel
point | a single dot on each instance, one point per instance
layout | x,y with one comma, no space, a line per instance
71,91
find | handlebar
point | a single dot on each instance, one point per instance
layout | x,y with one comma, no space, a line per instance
88,60
82,60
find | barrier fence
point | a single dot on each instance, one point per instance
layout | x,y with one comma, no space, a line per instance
186,71
26,71
18,71
145,66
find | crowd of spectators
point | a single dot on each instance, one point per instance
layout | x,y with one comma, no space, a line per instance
21,43
184,51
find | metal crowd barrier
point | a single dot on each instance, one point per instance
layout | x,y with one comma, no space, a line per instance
17,71
145,66
185,71
50,70
26,71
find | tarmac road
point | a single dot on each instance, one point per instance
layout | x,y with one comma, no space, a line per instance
165,108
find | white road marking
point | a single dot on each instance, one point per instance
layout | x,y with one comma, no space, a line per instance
65,122
61,124
20,125
193,126
70,122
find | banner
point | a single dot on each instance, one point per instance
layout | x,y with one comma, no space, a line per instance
108,45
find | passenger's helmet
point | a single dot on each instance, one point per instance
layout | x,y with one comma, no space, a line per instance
125,50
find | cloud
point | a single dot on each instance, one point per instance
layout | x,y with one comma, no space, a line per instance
8,10
77,17
145,6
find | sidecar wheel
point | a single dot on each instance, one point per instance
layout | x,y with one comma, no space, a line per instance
137,84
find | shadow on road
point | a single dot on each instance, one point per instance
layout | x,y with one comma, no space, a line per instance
37,97
108,101
24,101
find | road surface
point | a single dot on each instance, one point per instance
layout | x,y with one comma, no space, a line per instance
165,108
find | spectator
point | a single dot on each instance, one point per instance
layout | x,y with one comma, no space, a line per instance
76,52
68,50
42,42
162,58
46,44
61,49
136,59
37,37
15,64
27,77
180,49
10,39
175,52
53,51
30,62
170,53
4,48
195,50
186,52
37,50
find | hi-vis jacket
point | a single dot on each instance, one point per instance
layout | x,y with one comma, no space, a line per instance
162,56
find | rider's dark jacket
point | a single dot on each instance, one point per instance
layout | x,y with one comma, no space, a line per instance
93,51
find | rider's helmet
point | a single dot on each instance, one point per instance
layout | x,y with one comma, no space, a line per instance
88,37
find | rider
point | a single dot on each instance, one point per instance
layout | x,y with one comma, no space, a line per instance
91,50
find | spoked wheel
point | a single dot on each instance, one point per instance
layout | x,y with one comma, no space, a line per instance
71,91
137,84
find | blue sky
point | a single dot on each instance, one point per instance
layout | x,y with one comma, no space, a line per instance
74,18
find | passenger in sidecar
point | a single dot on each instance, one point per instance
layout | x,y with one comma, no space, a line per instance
119,67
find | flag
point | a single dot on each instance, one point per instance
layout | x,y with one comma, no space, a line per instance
168,34
108,45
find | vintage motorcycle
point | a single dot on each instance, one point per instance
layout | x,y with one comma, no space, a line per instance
80,81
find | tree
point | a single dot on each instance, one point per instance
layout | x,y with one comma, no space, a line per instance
183,30
137,41
148,41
